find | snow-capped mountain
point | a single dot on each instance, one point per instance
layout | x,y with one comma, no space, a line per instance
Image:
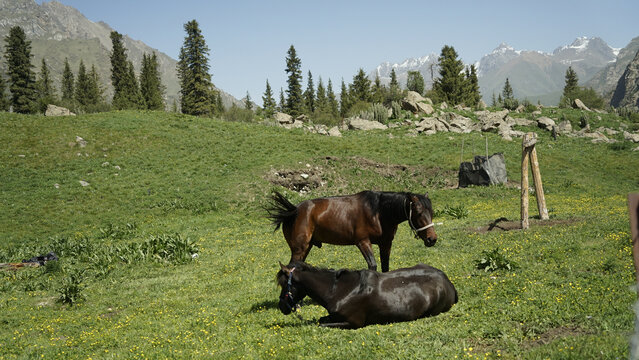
426,65
535,75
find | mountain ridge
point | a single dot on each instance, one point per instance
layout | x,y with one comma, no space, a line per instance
534,75
58,31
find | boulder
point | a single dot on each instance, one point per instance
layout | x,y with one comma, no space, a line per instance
631,137
578,104
546,123
283,118
458,123
443,106
427,124
425,108
53,110
564,127
414,96
482,172
357,123
334,131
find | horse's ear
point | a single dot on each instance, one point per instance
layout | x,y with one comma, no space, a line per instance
283,268
426,195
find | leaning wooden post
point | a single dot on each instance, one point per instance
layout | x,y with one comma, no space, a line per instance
633,210
539,188
524,179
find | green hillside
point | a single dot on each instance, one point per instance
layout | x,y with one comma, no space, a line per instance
162,187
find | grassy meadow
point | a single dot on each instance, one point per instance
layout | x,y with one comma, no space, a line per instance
163,187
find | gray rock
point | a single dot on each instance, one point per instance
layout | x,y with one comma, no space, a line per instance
578,104
80,141
283,118
362,124
53,110
564,127
334,131
631,137
545,123
482,172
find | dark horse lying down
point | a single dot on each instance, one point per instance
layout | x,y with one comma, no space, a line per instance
359,298
362,219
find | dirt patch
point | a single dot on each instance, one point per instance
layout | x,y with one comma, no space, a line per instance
556,333
503,224
302,180
316,174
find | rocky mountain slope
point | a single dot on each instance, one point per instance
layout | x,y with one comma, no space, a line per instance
605,81
627,92
58,31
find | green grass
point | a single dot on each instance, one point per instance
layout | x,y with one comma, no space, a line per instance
194,185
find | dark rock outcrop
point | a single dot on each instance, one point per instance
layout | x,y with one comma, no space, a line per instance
627,91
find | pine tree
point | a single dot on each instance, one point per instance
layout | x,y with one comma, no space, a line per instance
151,82
377,95
395,91
44,87
126,90
268,102
344,101
95,93
196,88
332,99
68,83
282,105
4,100
321,105
20,71
136,100
508,98
571,88
571,82
361,88
294,100
309,94
449,87
415,82
82,86
472,95
507,91
248,105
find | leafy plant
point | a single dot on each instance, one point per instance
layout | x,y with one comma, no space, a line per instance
456,212
70,292
493,260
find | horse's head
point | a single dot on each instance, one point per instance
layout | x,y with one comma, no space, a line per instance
420,218
292,291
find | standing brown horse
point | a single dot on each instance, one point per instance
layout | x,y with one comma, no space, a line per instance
362,219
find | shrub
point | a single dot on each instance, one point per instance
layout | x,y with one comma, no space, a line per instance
397,110
380,113
71,289
238,114
493,260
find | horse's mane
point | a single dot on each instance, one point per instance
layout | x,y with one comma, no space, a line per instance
388,201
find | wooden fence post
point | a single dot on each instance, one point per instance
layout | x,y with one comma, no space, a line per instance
539,188
524,181
633,209
529,154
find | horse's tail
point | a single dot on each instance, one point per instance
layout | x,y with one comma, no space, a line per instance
280,210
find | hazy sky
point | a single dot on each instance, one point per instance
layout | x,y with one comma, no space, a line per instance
249,39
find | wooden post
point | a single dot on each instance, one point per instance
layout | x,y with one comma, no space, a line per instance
539,188
633,209
524,183
528,152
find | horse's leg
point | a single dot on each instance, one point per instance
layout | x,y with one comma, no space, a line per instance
367,250
298,237
384,255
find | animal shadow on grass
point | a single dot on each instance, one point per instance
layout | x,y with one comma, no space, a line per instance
273,304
